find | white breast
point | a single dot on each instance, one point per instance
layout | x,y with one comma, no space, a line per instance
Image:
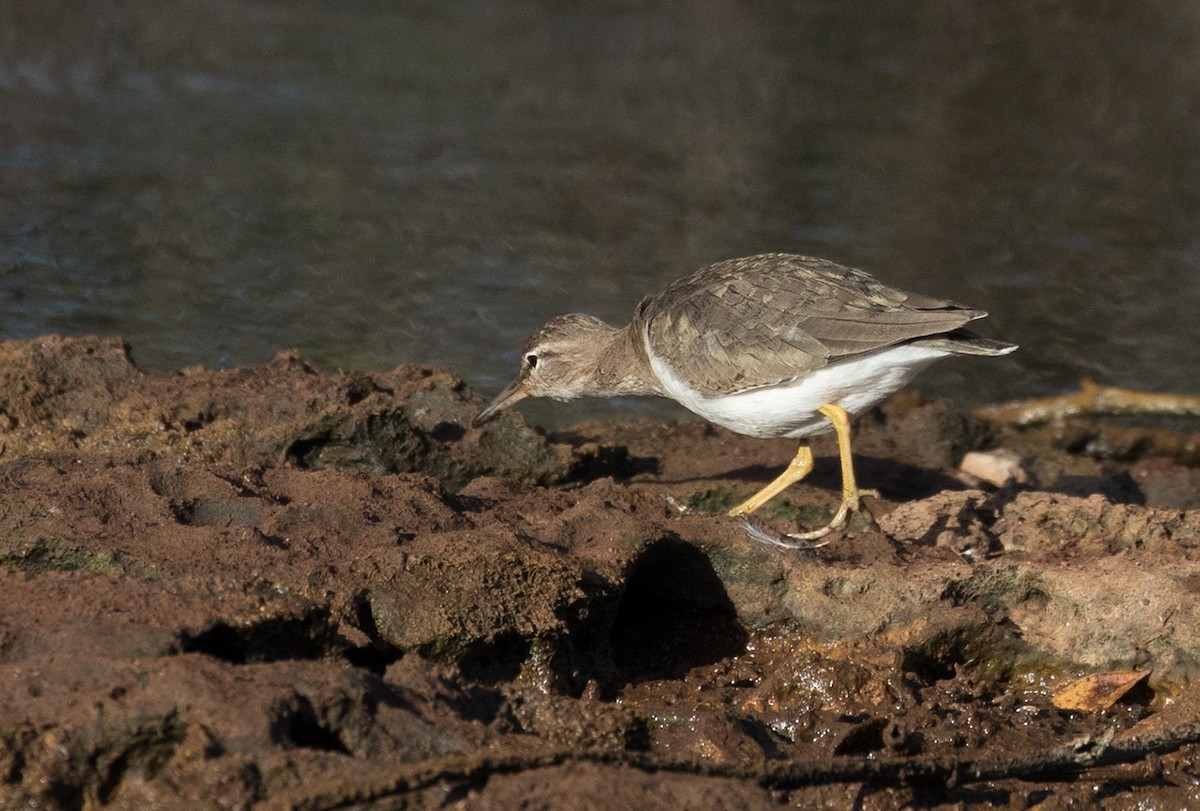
790,409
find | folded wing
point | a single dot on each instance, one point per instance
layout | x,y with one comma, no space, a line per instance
775,317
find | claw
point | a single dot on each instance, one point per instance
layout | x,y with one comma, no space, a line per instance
796,470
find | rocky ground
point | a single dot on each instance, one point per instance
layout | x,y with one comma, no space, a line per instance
293,588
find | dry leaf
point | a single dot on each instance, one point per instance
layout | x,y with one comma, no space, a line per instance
1099,691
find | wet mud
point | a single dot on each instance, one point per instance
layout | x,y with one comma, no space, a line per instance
281,586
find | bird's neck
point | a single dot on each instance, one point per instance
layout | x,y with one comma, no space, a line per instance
620,364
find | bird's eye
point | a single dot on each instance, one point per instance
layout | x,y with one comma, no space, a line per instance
531,359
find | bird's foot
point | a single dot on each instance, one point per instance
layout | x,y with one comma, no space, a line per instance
851,503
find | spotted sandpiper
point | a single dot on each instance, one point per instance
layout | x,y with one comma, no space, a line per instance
775,345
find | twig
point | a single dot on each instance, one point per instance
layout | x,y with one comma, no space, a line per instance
1091,399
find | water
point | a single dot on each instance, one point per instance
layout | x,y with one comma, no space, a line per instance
376,182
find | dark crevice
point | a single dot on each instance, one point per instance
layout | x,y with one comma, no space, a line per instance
447,432
17,743
673,615
992,646
371,658
757,731
359,390
863,739
303,452
376,655
273,640
495,660
475,702
382,443
299,726
937,660
306,733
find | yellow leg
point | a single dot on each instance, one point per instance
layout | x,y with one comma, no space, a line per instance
796,470
850,492
800,467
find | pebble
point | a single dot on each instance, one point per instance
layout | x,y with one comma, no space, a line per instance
998,468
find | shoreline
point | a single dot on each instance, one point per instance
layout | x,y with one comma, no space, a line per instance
394,604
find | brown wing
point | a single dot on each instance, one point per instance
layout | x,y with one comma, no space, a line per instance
761,320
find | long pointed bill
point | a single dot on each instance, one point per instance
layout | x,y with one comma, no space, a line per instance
512,393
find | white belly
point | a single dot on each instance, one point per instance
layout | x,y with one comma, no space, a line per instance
790,409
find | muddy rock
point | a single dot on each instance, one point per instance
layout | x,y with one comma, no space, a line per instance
85,394
285,587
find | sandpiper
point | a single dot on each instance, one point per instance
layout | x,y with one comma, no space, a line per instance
775,345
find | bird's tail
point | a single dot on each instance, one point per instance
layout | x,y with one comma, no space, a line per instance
965,342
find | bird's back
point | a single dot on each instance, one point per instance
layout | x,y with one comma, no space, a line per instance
763,320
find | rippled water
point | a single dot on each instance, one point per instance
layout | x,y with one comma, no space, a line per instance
375,182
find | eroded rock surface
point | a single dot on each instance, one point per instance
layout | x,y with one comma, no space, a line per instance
287,587
86,395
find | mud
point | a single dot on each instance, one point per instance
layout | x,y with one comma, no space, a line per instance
287,587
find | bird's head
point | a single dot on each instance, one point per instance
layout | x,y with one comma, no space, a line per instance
559,361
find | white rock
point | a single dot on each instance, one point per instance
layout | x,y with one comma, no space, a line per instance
998,468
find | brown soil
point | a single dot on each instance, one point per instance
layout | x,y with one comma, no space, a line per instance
287,587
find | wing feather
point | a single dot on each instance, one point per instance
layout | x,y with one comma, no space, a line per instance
761,320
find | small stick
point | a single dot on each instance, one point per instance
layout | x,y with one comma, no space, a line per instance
1092,399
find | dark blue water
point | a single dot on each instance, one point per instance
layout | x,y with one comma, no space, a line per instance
378,182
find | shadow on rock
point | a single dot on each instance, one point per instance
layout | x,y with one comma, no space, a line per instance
673,615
